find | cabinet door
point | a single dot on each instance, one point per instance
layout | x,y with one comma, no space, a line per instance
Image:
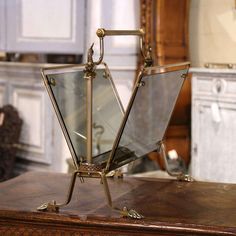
45,26
213,141
2,25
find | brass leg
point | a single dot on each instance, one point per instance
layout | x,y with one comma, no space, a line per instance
106,189
179,175
124,212
53,206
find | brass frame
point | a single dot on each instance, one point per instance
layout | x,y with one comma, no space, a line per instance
57,111
166,68
90,170
179,175
144,71
90,73
144,49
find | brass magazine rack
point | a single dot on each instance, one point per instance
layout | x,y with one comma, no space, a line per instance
101,135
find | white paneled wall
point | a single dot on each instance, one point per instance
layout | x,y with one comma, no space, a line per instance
2,94
54,10
42,145
213,125
30,104
61,26
120,51
55,26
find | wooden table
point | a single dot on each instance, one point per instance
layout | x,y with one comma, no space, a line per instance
170,207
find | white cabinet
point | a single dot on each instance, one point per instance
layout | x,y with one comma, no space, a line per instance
55,26
42,145
2,25
29,100
213,125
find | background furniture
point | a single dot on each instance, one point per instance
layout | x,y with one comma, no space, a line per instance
213,124
27,26
41,145
173,208
29,33
166,25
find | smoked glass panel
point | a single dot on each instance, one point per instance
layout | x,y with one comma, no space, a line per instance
68,87
149,116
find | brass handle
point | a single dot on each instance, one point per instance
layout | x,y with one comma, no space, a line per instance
145,49
103,32
220,65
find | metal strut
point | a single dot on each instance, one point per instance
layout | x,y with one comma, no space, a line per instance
53,206
179,175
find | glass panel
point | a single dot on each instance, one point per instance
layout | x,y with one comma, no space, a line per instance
149,116
69,91
107,113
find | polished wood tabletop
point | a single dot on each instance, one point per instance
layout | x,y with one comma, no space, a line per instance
170,207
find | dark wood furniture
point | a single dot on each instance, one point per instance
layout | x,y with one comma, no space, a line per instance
166,24
10,128
169,207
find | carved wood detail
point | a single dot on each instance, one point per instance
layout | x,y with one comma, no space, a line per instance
166,25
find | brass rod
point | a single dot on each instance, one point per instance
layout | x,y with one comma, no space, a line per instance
89,84
166,68
71,189
106,189
103,32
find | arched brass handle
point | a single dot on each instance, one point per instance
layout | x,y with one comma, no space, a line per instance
145,49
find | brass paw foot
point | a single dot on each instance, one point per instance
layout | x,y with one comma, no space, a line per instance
50,207
131,213
185,178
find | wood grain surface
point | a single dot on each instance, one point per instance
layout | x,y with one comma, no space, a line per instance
170,207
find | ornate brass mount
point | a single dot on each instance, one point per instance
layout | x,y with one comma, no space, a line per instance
89,171
145,49
101,33
178,175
